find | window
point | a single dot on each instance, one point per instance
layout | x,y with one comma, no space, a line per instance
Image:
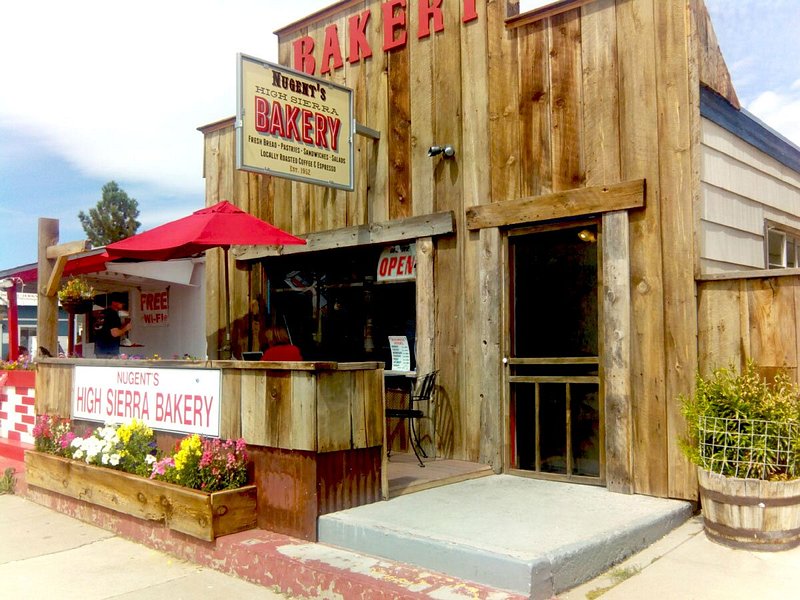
539,8
782,249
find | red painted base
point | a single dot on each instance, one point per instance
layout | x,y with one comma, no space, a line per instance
297,568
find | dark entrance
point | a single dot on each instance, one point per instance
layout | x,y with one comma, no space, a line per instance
554,380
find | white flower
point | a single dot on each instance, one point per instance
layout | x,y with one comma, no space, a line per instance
150,459
78,454
104,459
113,459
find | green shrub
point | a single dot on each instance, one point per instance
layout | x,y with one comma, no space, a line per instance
741,425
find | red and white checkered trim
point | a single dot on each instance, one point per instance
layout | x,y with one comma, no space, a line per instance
17,413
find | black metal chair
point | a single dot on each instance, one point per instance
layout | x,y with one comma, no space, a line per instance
421,392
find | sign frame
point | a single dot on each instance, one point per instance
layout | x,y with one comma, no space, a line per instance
318,159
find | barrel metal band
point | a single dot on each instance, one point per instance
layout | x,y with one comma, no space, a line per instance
783,535
748,501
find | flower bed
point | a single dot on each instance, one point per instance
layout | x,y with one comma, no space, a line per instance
199,489
204,515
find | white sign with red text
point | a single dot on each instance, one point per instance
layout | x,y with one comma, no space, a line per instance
154,307
179,400
398,263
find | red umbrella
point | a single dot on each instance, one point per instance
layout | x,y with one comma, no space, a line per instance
220,226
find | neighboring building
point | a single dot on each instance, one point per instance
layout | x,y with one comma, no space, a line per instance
165,304
602,168
26,321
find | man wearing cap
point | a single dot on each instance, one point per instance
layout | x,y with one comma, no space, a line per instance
108,331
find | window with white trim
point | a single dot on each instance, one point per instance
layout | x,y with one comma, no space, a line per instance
783,249
520,7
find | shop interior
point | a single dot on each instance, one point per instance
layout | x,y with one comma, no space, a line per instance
336,306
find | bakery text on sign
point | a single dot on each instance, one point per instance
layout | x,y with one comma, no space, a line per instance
167,399
394,19
305,121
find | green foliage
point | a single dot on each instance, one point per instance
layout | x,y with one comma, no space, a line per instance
113,219
76,288
7,481
741,425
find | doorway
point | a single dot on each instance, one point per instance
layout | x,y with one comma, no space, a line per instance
556,405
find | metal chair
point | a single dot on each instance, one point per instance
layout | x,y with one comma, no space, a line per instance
421,392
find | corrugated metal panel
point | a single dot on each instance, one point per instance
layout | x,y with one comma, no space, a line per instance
295,487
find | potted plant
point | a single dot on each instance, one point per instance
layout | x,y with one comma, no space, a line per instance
76,296
744,437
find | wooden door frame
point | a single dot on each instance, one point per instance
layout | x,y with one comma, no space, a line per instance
614,345
533,229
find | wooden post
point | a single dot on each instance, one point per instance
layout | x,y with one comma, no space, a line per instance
616,354
493,397
47,305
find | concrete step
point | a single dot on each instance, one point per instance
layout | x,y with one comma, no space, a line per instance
528,536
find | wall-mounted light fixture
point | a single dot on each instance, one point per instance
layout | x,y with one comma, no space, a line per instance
586,235
447,150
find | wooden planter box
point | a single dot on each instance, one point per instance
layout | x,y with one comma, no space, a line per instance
199,514
750,513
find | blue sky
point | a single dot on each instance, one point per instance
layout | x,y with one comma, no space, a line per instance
96,91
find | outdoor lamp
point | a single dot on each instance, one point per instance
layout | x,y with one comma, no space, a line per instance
447,150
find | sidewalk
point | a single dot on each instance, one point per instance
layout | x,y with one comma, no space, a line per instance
46,554
686,565
43,551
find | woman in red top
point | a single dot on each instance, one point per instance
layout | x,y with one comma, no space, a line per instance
279,347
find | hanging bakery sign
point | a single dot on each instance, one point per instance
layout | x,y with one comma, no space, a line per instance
292,125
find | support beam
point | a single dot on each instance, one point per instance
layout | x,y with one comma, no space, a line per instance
560,205
47,309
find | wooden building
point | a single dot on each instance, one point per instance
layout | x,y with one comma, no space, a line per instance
602,168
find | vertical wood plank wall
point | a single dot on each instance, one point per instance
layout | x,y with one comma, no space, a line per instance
595,95
745,317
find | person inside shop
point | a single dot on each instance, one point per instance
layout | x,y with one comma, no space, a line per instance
279,345
108,330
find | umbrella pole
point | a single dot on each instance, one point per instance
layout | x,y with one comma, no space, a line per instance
226,349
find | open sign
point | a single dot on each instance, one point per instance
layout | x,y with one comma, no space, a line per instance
398,263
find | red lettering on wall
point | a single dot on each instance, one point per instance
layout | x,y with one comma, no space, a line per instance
331,49
395,35
392,21
470,13
428,12
304,55
357,32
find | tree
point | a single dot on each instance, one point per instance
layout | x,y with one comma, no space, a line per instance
113,219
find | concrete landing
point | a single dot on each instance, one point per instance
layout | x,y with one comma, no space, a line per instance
528,536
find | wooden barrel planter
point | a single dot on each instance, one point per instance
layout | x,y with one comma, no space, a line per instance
750,513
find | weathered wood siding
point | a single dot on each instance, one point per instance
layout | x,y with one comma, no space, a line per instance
742,188
750,316
604,93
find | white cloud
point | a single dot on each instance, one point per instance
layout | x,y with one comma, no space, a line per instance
120,89
781,111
